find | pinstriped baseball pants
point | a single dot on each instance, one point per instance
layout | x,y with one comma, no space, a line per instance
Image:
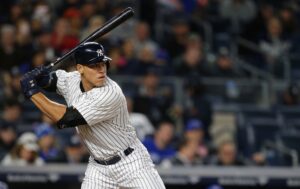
135,171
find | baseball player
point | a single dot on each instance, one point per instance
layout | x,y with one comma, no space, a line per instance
96,107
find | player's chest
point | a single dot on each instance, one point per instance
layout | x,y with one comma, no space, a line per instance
76,95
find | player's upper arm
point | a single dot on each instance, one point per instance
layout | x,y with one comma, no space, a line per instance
102,107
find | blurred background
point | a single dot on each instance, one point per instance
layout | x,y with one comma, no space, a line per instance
212,88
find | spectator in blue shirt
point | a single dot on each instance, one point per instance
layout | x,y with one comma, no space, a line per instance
159,146
49,152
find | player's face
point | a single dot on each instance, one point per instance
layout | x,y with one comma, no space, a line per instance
93,75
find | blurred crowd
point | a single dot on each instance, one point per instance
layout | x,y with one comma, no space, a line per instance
165,38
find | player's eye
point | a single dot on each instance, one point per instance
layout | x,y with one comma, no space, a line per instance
97,65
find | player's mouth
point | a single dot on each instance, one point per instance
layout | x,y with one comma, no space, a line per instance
101,77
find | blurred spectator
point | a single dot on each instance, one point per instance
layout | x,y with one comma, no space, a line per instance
8,138
288,19
139,121
175,42
159,146
47,140
153,100
12,112
71,3
24,41
87,11
148,11
194,132
150,57
196,103
118,62
43,43
9,53
12,88
224,66
38,59
103,7
146,59
227,155
73,16
42,14
16,12
132,65
142,38
93,24
259,24
62,38
24,153
125,30
75,151
192,61
259,158
238,12
186,156
290,96
174,5
274,45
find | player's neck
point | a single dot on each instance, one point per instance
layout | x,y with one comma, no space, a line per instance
85,86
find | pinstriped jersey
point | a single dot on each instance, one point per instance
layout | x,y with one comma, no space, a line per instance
104,108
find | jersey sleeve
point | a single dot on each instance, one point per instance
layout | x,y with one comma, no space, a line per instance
102,107
61,85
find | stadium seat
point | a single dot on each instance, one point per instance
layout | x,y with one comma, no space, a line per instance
246,115
260,131
290,116
291,140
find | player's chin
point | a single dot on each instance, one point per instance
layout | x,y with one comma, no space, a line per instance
99,82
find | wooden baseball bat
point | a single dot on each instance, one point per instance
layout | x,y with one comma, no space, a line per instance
107,27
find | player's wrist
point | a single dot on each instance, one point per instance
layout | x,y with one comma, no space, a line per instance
32,93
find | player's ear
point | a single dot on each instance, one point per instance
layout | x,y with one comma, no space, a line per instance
79,68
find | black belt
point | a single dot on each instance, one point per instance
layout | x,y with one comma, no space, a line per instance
115,159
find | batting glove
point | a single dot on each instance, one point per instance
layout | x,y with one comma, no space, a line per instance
29,85
44,78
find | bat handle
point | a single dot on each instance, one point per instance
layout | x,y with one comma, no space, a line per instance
52,64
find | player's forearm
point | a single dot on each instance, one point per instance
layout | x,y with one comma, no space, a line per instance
53,110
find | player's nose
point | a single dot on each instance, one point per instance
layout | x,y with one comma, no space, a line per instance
100,67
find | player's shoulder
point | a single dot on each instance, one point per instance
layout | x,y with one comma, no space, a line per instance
110,87
63,73
111,84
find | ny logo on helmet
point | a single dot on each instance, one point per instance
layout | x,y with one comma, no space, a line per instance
99,52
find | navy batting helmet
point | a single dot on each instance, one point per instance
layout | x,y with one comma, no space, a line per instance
90,53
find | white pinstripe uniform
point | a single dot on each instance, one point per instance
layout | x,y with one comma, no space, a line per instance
107,134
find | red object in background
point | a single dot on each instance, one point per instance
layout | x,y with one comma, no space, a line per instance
65,43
